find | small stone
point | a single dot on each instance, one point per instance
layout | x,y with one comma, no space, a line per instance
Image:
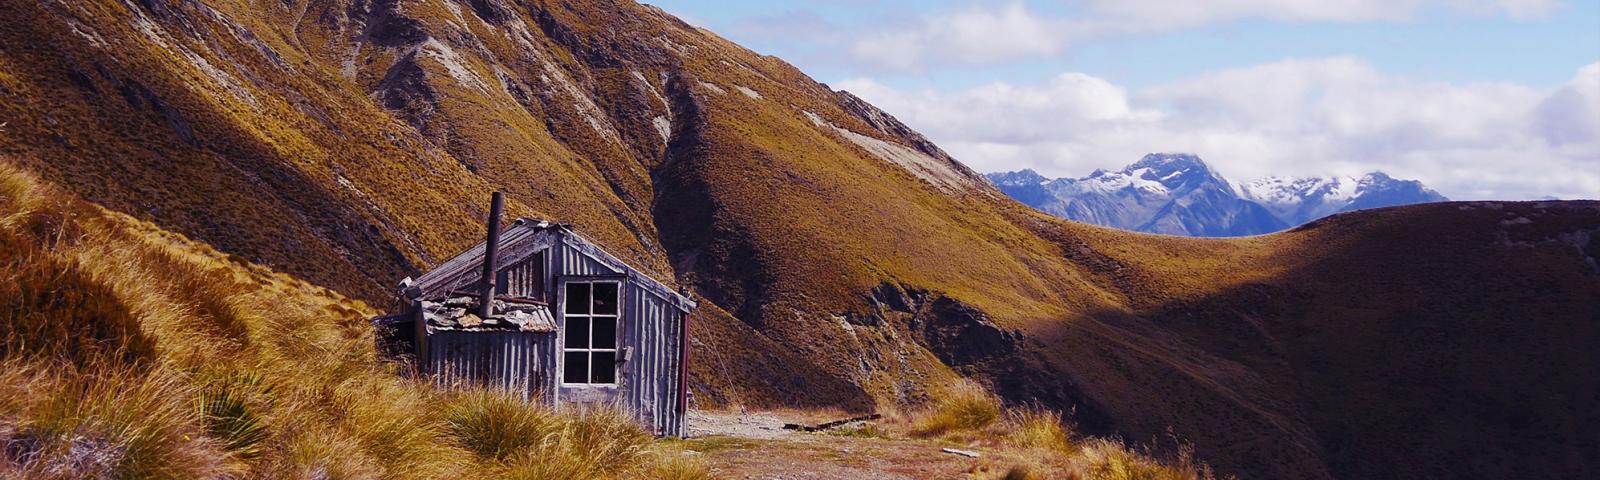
441,321
518,317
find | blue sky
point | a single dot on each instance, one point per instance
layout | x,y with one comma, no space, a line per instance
1453,92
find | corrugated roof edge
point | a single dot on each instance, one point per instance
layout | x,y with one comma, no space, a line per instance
523,227
650,283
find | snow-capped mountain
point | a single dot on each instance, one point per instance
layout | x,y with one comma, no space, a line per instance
1178,194
1300,200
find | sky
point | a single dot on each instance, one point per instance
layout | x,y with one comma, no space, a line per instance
1479,99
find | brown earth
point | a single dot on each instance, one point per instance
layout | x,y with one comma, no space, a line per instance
754,445
844,260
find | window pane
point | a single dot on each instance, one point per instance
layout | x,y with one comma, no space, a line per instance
576,369
605,333
605,298
578,298
577,332
605,368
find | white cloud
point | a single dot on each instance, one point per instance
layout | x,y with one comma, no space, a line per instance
1169,14
997,33
1295,117
972,37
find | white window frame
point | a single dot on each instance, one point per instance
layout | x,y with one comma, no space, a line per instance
590,350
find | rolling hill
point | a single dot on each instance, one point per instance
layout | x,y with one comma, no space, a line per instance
844,259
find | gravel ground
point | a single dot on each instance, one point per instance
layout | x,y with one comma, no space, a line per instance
754,445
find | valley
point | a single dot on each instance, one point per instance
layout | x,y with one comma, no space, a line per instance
840,259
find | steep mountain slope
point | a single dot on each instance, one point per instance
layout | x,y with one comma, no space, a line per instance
1174,194
844,260
1301,200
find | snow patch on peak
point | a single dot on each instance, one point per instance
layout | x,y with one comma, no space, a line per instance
1302,199
1026,176
1171,162
1144,195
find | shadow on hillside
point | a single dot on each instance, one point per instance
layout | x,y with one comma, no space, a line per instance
1435,341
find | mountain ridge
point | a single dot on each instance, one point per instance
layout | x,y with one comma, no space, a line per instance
1179,194
843,261
1298,200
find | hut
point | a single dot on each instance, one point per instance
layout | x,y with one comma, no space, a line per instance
548,314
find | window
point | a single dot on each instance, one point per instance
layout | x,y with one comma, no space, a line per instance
590,334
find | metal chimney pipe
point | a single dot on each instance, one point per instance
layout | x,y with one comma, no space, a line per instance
491,249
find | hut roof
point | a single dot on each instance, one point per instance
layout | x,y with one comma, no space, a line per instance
524,237
512,315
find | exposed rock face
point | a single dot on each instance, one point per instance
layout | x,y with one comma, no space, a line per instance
353,143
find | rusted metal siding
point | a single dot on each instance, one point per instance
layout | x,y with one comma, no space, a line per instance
514,361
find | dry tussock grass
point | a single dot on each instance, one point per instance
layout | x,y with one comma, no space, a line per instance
964,407
129,352
1036,443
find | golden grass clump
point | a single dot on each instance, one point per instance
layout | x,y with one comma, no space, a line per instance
495,425
130,352
965,406
1111,460
671,463
1039,429
599,442
1036,443
103,420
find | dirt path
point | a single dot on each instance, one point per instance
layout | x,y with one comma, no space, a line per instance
755,446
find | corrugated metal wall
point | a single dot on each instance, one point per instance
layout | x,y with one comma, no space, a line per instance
515,361
650,379
651,325
524,279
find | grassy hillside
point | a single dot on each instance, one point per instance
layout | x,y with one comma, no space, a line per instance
130,352
352,144
845,261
